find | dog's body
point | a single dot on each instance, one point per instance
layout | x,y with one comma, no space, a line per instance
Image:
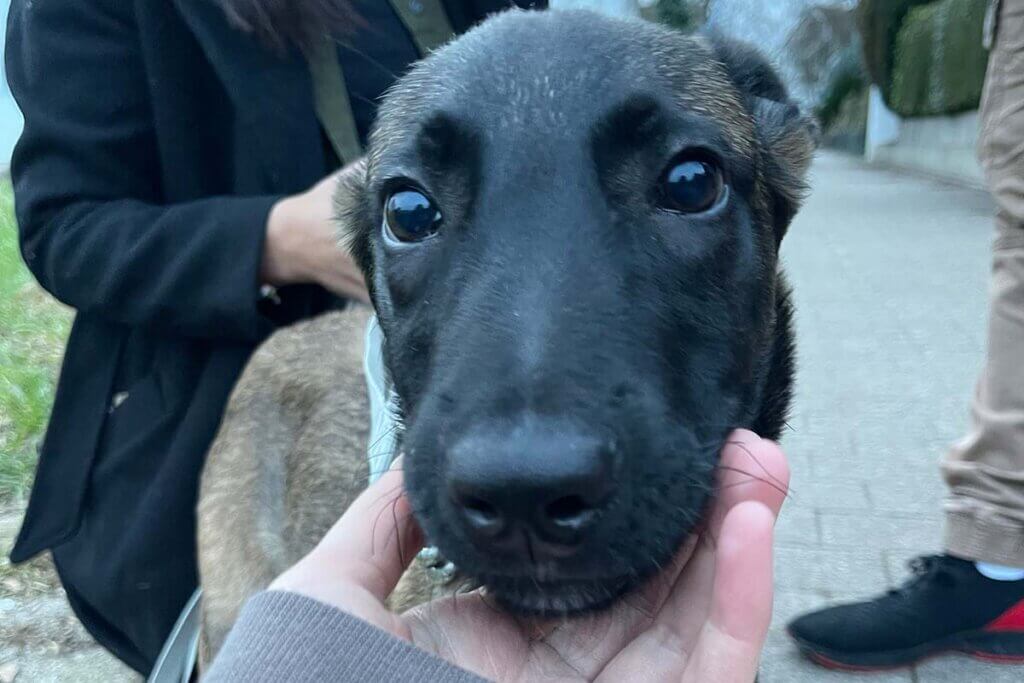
578,284
290,457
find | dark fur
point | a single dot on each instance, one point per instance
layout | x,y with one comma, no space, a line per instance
559,299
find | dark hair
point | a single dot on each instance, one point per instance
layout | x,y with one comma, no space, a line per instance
282,24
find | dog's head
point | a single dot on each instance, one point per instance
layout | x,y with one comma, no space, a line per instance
571,226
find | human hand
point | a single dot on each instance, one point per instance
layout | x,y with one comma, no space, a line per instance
302,242
704,618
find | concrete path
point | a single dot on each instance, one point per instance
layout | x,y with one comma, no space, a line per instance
41,641
890,273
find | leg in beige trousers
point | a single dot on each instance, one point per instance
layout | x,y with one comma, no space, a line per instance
963,601
985,471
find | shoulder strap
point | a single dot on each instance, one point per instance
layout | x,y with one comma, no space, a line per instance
429,27
330,98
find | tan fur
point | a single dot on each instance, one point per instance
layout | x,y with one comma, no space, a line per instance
290,457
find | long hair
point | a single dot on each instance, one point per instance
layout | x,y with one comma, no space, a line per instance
282,24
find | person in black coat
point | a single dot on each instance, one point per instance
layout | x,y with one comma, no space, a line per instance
161,187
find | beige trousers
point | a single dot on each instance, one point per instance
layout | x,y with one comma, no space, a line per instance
985,470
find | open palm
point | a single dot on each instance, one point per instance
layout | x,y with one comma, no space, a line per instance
704,618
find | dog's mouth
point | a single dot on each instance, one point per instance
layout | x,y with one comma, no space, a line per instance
539,592
529,596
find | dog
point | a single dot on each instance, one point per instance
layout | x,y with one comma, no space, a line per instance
570,227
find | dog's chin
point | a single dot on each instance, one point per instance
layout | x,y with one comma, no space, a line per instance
529,597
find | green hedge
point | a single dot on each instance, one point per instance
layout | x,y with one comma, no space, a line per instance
879,22
847,80
846,131
939,65
685,15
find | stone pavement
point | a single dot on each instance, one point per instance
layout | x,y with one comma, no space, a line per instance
40,639
890,273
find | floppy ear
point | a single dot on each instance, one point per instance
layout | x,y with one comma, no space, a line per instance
350,213
788,138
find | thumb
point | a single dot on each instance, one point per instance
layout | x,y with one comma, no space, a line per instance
374,541
729,646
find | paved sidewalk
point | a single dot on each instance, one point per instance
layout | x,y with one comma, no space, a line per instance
890,273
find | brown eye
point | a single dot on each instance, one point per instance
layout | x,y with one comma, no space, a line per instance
691,184
411,216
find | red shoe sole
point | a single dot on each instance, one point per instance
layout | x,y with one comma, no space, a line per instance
826,663
996,648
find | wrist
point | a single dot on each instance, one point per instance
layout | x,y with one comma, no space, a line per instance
279,265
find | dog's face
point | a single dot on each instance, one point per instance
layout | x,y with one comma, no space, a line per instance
570,225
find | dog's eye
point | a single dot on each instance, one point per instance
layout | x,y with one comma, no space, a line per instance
692,184
411,216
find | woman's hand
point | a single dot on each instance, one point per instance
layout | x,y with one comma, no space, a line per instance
302,242
705,618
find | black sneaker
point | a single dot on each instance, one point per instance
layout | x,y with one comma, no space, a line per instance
947,606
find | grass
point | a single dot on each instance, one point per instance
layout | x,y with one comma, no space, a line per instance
33,329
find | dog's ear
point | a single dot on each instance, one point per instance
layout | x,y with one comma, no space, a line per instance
350,211
788,138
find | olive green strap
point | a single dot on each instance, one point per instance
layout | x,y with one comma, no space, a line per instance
429,27
330,97
426,21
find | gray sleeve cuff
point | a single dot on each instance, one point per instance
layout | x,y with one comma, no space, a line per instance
282,636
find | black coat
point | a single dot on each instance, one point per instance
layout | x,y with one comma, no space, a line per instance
157,137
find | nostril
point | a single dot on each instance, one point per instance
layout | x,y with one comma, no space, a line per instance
570,512
481,516
480,511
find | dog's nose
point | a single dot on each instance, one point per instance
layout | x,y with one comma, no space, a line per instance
539,493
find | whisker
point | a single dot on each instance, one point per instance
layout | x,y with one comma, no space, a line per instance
778,487
396,487
398,536
373,62
376,521
383,455
764,469
388,432
365,100
396,520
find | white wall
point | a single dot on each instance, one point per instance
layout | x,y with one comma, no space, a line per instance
939,145
883,127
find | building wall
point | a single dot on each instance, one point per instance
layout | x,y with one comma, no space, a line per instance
942,146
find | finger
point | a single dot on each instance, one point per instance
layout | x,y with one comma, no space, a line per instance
376,539
730,643
750,469
741,603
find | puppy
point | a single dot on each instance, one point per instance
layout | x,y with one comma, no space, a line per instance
570,225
